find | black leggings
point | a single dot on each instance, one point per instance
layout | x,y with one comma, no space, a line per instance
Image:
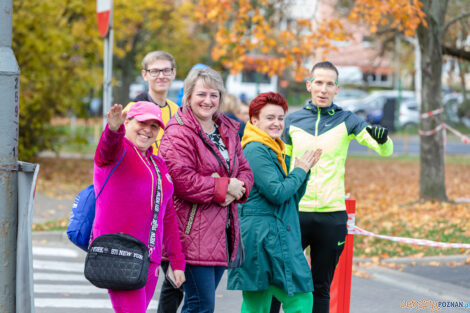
325,233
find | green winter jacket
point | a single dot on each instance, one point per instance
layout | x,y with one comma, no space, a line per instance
270,228
330,129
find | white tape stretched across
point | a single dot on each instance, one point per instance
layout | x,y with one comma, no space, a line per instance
355,230
432,113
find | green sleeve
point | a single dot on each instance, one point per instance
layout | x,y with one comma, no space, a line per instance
364,138
266,175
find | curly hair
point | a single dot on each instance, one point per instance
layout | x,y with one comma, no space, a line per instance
266,98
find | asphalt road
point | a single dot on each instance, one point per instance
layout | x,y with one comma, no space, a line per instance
410,146
61,287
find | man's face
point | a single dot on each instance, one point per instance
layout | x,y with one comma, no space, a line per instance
158,81
323,86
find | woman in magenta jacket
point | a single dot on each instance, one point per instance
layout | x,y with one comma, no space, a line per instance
210,173
126,203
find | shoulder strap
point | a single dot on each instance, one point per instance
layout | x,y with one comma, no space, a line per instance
122,156
156,209
179,119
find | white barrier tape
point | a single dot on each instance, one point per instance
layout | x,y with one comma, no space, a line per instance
351,222
355,230
465,139
432,132
461,200
432,113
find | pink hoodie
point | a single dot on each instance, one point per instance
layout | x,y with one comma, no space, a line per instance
126,203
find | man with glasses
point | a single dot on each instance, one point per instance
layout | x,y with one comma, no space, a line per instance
322,124
159,70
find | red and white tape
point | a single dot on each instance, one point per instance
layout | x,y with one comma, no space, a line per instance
432,113
462,137
355,230
433,131
443,127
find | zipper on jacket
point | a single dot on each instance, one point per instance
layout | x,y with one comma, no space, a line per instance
315,197
318,121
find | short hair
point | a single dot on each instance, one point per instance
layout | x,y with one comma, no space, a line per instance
326,65
209,77
263,99
231,104
157,55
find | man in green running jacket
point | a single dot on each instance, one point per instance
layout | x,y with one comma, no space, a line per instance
323,125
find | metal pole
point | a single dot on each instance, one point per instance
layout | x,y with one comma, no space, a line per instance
9,111
105,80
108,69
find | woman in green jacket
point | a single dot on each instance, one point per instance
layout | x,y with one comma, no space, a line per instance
274,261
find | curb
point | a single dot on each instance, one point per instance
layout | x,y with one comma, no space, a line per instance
50,236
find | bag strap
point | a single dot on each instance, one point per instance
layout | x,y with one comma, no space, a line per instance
122,156
156,208
112,171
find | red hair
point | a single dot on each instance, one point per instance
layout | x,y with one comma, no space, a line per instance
266,98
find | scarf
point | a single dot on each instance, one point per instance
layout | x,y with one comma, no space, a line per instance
253,133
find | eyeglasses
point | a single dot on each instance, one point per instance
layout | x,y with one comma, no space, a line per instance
154,72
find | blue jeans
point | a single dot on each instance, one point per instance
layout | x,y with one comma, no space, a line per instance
199,288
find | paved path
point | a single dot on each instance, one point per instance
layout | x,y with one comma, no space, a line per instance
61,287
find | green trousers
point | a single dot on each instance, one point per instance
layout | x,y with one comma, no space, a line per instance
260,301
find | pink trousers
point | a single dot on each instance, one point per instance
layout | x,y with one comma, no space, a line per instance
135,301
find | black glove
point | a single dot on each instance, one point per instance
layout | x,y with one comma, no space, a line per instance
379,133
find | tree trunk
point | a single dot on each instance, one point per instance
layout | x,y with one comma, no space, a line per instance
432,166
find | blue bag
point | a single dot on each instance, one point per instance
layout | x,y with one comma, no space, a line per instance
83,214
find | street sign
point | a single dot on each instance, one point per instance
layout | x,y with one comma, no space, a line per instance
103,13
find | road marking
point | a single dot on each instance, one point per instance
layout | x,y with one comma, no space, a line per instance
76,267
59,252
80,303
71,289
60,277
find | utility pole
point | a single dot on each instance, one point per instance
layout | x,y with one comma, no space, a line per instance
104,10
9,112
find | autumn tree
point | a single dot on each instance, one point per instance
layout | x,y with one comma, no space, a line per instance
144,25
248,30
56,48
247,27
60,55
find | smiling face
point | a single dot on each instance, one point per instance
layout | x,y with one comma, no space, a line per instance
323,87
204,101
142,134
161,83
270,120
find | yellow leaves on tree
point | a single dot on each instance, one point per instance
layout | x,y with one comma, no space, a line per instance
55,43
403,15
264,27
255,27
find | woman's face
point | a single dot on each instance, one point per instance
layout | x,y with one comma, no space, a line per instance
204,101
142,134
270,120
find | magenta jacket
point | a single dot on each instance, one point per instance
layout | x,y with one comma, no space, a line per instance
190,157
126,203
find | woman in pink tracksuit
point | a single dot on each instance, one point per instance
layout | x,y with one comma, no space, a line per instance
126,203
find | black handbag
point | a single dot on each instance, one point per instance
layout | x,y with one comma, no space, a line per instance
119,261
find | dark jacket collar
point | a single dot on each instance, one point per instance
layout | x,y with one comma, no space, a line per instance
329,110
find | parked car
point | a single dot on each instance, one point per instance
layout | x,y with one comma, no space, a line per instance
385,101
348,94
408,115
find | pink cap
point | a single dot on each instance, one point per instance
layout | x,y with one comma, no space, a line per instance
145,111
